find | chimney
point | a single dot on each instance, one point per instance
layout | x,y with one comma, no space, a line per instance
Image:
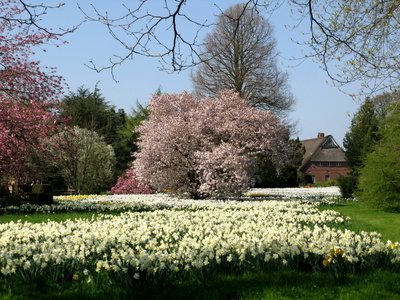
321,135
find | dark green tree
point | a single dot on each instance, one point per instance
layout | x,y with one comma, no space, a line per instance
289,175
379,182
129,137
266,175
365,126
90,110
362,136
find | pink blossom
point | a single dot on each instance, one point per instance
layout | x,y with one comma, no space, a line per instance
28,92
128,183
206,146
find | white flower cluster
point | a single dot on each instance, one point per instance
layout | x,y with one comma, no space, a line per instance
188,237
297,193
138,202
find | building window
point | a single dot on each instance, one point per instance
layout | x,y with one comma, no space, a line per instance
330,164
313,178
320,164
327,177
329,143
338,164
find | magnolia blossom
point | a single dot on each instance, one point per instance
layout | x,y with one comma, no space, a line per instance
206,146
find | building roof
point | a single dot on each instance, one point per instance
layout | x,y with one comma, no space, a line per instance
322,149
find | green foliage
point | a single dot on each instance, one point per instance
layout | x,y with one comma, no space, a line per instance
365,128
363,134
379,182
288,176
90,110
266,175
347,185
23,194
42,189
3,191
325,183
129,137
90,168
8,199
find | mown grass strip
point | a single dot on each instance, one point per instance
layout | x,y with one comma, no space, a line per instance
57,217
377,284
367,218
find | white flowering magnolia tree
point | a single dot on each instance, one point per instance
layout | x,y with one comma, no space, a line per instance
206,146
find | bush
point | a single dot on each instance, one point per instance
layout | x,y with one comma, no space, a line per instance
39,198
128,183
42,189
36,194
348,186
325,183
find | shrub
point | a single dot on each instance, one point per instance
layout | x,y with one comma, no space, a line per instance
348,186
325,183
128,183
36,194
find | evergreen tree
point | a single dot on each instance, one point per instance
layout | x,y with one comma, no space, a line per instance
90,110
365,128
362,136
289,175
379,182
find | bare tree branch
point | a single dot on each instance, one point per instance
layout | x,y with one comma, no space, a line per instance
353,40
34,15
240,54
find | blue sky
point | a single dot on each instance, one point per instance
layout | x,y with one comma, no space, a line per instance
319,106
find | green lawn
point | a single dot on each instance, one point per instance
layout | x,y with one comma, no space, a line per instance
367,218
57,217
274,285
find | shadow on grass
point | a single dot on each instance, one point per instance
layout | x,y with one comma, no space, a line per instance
378,284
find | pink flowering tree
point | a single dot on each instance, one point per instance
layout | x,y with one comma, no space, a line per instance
28,92
206,146
128,183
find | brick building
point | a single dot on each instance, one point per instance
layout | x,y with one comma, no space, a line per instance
324,159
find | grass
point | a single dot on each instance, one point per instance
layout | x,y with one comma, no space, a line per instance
367,218
57,217
379,284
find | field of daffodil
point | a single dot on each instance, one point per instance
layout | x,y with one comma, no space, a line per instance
162,237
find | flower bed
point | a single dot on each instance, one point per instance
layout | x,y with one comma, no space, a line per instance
187,238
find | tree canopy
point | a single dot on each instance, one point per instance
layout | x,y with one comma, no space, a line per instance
89,109
206,146
87,162
28,92
365,129
240,54
379,182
